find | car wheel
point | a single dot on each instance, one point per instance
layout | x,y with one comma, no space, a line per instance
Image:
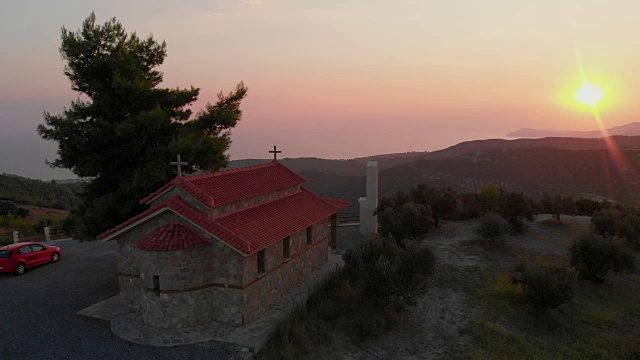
20,269
55,257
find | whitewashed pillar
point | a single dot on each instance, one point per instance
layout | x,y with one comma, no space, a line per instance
46,234
15,237
368,204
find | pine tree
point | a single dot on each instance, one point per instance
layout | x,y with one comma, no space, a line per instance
124,129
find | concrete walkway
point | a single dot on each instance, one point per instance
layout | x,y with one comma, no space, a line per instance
127,323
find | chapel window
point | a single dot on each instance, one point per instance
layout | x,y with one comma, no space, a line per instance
261,262
309,236
156,285
286,248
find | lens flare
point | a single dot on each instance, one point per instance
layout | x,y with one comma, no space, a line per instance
589,94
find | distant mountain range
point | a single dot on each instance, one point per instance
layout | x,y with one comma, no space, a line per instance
631,129
567,166
594,167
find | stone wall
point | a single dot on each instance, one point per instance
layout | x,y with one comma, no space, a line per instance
215,282
182,298
262,290
195,285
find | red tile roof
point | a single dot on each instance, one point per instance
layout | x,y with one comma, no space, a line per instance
254,228
170,237
225,187
338,204
270,222
187,212
248,230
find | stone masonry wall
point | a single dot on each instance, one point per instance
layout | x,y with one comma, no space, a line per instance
195,285
262,290
183,297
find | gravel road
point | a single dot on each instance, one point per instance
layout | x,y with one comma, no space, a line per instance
39,319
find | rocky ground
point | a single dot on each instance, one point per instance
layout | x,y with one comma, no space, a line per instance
438,327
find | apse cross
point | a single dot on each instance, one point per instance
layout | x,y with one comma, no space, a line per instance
179,164
275,153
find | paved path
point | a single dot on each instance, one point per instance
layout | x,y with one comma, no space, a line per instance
39,319
128,323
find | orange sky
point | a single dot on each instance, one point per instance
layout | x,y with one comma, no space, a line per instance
341,78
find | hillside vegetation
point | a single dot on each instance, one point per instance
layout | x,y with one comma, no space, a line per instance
37,193
611,175
473,307
571,166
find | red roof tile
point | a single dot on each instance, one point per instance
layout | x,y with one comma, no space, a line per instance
270,222
186,211
250,229
170,237
225,187
338,204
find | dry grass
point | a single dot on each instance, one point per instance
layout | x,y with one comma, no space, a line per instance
602,322
36,213
28,224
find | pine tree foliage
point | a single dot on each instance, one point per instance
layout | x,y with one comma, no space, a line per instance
124,129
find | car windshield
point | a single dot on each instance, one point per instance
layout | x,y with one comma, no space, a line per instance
5,254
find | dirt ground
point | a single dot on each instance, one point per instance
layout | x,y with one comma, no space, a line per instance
439,326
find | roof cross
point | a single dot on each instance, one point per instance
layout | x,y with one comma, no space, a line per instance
178,164
275,153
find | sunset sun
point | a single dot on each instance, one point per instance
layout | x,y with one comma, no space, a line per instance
589,94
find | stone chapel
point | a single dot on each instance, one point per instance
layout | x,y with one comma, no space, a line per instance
222,246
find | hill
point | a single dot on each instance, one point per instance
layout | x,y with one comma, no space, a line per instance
352,167
355,167
567,143
38,193
572,166
631,129
533,171
611,174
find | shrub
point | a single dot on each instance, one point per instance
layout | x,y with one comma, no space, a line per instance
407,221
469,206
443,202
68,225
490,198
42,223
545,287
594,256
382,270
587,207
519,225
630,228
504,286
492,227
7,207
606,221
378,281
517,209
558,205
623,223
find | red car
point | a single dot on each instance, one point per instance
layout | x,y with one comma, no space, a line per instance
21,256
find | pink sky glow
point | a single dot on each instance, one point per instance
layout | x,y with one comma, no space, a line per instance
340,78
